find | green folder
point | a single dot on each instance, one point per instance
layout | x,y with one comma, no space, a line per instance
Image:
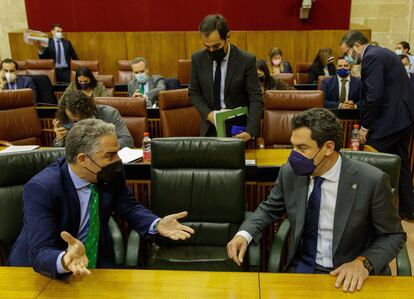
221,116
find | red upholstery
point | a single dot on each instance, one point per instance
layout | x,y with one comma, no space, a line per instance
183,71
108,82
125,73
320,79
42,67
289,78
92,65
178,116
302,72
21,67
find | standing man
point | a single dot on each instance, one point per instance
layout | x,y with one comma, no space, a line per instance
224,77
61,51
145,85
388,107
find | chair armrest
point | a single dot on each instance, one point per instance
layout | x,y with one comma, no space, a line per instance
132,252
254,253
117,242
403,262
260,143
276,249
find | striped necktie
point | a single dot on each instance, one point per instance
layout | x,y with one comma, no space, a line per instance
92,239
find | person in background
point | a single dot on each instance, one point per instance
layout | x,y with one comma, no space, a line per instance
68,204
267,81
75,106
323,65
61,51
407,65
276,63
374,43
342,91
145,85
9,80
85,81
403,48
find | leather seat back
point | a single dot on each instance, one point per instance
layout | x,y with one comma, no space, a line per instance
183,71
92,65
42,67
289,78
302,72
108,82
125,73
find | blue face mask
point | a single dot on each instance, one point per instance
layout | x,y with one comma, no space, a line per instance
84,86
68,126
142,78
343,73
302,165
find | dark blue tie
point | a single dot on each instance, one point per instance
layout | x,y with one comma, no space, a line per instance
217,85
307,256
59,53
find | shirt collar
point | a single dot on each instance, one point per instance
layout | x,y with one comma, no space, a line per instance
77,181
334,173
226,58
347,78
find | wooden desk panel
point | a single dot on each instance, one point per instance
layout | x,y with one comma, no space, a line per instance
156,284
18,282
293,286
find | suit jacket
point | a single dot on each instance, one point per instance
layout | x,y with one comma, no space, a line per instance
51,205
50,51
241,87
366,222
156,83
330,88
412,77
316,70
387,94
110,115
25,82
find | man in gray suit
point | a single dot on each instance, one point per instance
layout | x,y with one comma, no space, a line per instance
341,212
233,84
145,85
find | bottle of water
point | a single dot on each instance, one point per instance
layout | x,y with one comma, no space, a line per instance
354,142
146,146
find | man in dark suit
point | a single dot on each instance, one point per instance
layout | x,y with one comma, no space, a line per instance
67,207
341,212
343,90
233,84
407,65
387,116
61,51
9,79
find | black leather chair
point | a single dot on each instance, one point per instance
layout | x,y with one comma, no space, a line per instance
206,177
16,170
388,163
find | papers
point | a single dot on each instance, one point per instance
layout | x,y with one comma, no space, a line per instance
250,162
128,155
19,148
222,115
32,36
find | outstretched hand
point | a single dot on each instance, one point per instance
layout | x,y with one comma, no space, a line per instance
75,259
170,227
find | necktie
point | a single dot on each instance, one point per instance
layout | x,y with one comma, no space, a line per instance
343,91
217,85
141,88
307,257
59,53
92,239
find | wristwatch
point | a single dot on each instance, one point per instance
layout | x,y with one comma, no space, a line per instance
367,264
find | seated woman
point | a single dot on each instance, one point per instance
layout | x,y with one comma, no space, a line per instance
86,82
323,65
267,81
75,106
276,63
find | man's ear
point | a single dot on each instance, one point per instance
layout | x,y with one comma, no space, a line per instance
330,147
81,159
228,35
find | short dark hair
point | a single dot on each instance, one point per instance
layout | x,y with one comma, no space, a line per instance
9,60
84,71
56,25
77,103
324,126
352,37
212,23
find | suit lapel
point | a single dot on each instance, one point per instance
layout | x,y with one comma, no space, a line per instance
231,66
72,197
300,196
335,88
52,48
207,64
347,190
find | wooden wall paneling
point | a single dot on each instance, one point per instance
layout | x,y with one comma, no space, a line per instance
113,48
86,45
324,38
19,49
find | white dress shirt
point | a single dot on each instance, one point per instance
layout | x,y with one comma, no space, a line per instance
329,192
223,68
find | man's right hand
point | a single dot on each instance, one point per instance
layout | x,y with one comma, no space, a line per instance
59,130
210,117
236,249
75,259
37,44
137,94
2,80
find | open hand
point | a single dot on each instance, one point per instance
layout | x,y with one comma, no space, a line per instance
170,227
75,259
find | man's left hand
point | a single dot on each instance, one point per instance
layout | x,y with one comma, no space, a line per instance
170,227
352,275
244,136
362,136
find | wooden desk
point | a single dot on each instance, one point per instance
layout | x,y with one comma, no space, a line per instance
273,285
16,282
156,284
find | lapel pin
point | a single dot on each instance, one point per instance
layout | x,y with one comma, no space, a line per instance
354,186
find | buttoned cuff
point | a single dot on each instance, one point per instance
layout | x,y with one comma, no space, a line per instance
59,265
151,230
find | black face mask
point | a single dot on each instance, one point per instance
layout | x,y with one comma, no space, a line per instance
261,79
112,174
218,54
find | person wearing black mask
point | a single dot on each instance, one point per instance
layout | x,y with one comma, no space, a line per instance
341,212
342,91
86,82
267,81
224,77
68,205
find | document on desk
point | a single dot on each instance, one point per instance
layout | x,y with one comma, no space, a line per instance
128,155
19,149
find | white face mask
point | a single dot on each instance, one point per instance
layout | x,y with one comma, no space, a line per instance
58,35
10,77
398,52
